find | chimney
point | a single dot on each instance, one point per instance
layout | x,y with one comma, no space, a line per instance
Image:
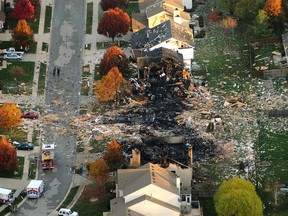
176,16
190,155
135,158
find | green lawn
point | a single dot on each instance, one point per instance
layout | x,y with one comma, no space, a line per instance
131,8
42,78
48,16
69,197
272,170
89,18
98,145
17,174
10,85
85,207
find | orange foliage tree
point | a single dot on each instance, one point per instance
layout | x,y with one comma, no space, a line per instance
273,8
114,23
229,23
23,9
114,56
8,156
10,116
114,155
109,86
22,34
98,170
17,72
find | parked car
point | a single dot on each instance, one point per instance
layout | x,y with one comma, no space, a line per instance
12,56
66,212
23,146
30,115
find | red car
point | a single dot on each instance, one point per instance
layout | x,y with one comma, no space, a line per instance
30,115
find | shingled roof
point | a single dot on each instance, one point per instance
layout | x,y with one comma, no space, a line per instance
147,38
131,180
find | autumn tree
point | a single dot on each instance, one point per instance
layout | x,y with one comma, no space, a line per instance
17,72
107,4
114,155
10,116
23,9
260,27
114,23
229,23
213,16
110,86
98,170
273,8
22,34
237,197
8,156
114,56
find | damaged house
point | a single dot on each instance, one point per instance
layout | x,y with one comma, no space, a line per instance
170,35
153,13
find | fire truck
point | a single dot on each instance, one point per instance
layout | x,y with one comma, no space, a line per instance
48,157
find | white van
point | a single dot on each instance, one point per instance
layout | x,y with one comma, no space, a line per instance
6,195
67,212
35,188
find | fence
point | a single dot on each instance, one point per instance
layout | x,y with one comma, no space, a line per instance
282,72
278,113
203,193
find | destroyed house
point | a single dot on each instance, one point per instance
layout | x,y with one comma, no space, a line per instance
157,56
147,190
170,35
153,13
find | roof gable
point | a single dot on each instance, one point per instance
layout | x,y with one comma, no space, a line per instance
147,38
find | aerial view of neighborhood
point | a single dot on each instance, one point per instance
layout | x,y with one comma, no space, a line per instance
144,107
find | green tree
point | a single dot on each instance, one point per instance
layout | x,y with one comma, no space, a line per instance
228,5
237,197
247,9
260,27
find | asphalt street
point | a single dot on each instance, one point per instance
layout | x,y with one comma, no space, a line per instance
62,98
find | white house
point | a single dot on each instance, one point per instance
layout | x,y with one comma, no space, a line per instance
147,190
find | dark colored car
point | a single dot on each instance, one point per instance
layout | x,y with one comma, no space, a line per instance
30,115
24,146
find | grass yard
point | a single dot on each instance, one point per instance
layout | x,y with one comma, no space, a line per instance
42,78
98,145
10,86
15,134
85,207
48,16
262,55
69,197
17,174
89,18
272,170
131,8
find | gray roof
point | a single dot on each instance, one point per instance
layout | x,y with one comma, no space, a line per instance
130,180
143,4
154,9
147,38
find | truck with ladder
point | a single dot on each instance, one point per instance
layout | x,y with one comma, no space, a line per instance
48,156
